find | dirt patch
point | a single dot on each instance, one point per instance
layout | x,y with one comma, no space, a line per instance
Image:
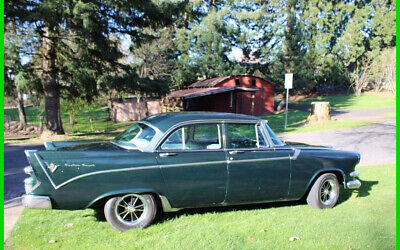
12,130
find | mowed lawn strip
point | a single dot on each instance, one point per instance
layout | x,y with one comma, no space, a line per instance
363,219
364,101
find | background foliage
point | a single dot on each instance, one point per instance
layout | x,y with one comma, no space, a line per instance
112,49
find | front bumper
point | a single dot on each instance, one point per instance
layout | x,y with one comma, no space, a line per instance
36,201
355,183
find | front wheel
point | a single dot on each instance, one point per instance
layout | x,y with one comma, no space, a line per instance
325,192
130,211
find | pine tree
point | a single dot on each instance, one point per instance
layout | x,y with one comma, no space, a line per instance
76,46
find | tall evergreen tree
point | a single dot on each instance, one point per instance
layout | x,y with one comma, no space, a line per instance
76,49
18,76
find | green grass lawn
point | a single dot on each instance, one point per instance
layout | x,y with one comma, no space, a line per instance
99,116
364,101
31,113
297,119
363,219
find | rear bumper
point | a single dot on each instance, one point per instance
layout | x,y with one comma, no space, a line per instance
36,201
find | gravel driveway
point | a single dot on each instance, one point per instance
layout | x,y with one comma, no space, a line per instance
376,142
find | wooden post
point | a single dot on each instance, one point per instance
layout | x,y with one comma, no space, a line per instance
40,124
91,124
320,112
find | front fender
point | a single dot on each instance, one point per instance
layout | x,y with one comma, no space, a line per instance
323,171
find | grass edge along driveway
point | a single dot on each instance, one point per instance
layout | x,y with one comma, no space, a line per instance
363,219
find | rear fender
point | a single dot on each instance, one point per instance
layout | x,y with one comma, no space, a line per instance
121,192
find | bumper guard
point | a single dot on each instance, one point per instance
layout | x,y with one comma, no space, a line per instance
35,201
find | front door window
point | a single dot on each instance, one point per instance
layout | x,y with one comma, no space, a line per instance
243,135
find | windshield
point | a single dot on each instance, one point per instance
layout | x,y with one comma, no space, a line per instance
138,135
273,137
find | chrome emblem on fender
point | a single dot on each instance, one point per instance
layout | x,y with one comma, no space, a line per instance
52,167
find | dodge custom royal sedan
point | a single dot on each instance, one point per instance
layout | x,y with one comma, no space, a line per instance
172,161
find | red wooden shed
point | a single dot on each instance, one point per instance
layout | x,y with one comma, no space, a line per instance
242,94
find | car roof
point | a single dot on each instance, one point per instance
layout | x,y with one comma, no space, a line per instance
166,120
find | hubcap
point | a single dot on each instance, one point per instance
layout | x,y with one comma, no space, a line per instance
131,209
328,192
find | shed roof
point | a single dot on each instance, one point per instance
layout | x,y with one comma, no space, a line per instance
209,82
212,82
197,92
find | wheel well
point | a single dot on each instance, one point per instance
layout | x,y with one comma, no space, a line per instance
101,202
337,173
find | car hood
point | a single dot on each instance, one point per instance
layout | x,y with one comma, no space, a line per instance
92,146
300,145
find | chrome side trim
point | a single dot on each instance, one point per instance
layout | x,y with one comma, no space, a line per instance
166,205
353,184
28,170
103,172
259,159
193,164
153,167
354,173
296,154
46,145
35,201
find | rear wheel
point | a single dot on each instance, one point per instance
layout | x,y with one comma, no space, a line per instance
130,211
325,192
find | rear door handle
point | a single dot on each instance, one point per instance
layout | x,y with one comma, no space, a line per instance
235,152
167,154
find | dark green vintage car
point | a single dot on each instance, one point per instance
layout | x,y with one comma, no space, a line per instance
184,160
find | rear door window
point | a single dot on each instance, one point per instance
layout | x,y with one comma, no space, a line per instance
194,137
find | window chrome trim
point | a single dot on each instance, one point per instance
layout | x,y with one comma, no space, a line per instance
157,148
260,159
142,149
266,138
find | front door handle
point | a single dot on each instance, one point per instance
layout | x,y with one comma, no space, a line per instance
167,154
235,152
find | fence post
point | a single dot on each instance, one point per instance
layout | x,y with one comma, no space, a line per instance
40,123
91,124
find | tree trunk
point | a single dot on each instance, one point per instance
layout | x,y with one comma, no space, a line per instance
110,104
320,112
71,119
138,107
53,121
21,110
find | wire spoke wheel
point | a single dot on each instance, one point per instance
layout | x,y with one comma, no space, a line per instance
324,193
131,209
328,192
